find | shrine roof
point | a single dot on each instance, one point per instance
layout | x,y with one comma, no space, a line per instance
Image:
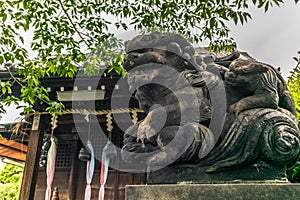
12,150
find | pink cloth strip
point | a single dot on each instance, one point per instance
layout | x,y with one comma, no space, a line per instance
50,167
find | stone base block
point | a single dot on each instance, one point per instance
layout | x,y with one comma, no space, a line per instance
249,191
257,172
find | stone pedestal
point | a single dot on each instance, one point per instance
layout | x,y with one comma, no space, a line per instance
194,174
245,191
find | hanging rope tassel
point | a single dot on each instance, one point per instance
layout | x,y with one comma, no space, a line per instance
50,167
89,172
108,152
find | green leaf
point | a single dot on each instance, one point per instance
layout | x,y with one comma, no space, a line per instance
267,6
3,89
235,19
21,39
4,17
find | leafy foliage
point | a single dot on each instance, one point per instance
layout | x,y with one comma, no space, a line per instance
69,33
10,182
293,173
294,86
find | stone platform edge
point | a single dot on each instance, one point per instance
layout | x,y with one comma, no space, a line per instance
248,191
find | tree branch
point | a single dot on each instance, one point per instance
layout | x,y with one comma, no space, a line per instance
71,21
13,77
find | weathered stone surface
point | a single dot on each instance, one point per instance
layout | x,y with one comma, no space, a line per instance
230,118
246,191
257,171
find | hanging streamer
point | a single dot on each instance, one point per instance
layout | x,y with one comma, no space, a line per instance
89,172
50,167
51,160
103,173
108,152
90,165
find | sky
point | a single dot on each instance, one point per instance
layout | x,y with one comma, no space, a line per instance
272,37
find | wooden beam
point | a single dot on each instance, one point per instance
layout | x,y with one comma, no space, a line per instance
12,154
33,156
13,144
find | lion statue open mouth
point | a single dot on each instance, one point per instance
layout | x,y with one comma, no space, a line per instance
171,85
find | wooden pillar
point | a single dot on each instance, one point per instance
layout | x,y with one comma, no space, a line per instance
74,170
39,124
